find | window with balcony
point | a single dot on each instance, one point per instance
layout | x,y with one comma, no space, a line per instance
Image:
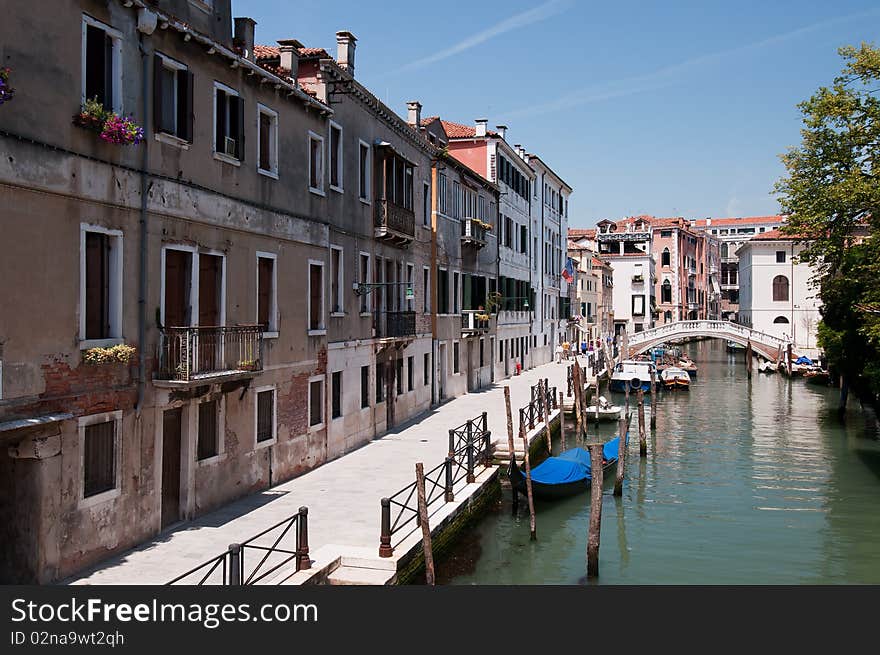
228,124
102,64
172,98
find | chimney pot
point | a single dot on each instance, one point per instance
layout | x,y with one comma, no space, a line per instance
414,113
345,46
244,35
481,124
502,130
289,50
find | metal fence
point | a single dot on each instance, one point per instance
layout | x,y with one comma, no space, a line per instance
530,415
187,352
254,560
469,444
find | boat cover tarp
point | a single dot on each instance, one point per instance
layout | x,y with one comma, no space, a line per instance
803,360
572,465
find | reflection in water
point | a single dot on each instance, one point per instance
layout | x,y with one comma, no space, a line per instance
745,482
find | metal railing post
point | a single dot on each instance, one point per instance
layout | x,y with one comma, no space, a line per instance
451,443
385,549
487,448
235,565
302,540
449,495
470,455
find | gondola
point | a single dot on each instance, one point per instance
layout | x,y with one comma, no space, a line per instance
567,474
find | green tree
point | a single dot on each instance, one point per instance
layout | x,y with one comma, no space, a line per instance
831,196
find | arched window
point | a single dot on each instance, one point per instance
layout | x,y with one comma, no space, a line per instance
780,320
724,250
666,292
664,258
780,289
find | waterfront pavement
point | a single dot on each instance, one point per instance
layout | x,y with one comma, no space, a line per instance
342,495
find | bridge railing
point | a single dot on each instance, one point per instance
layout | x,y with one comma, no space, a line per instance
699,327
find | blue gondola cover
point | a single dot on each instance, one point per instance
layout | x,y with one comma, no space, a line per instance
572,465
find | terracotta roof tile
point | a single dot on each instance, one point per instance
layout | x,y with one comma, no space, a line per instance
772,235
579,233
743,220
266,51
459,131
430,119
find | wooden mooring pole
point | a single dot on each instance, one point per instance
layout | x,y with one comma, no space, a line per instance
597,402
533,535
426,529
544,413
511,448
654,399
621,455
749,358
788,360
595,510
562,419
643,444
578,406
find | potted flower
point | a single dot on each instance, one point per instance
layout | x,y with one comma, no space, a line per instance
112,127
120,354
6,91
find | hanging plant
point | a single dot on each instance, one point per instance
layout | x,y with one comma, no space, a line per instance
113,355
7,93
112,127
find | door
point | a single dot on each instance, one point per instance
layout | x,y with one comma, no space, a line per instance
171,421
210,346
442,356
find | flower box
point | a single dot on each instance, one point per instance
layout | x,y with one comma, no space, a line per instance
111,127
121,354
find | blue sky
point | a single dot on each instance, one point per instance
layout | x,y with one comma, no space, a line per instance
664,108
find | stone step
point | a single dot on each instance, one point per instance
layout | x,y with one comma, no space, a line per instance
355,575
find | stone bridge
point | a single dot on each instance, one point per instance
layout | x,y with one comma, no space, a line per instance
763,344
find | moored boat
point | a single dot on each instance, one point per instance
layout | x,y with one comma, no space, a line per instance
817,376
633,374
767,367
567,474
733,346
675,378
607,412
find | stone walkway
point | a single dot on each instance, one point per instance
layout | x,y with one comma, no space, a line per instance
342,495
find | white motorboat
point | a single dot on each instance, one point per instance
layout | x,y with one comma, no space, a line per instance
767,367
674,377
633,374
607,411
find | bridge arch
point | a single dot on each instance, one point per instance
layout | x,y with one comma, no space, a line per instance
766,345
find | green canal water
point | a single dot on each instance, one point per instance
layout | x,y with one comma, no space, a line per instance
745,483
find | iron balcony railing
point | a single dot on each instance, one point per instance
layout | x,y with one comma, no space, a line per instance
473,231
188,353
391,216
395,324
474,321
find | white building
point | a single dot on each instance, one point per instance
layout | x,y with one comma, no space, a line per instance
627,247
775,293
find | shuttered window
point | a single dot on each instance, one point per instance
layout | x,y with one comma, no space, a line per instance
99,458
335,156
265,143
229,123
97,295
265,293
316,163
267,146
207,440
172,98
265,415
780,289
316,297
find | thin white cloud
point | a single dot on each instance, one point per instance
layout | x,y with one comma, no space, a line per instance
523,19
669,75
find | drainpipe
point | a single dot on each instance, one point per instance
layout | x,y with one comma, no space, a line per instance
142,282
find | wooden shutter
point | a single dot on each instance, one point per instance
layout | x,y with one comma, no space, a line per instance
210,272
185,116
207,441
265,412
97,286
315,289
99,459
220,119
265,142
159,121
264,291
236,123
177,276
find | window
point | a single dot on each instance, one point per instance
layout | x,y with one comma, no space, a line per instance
780,256
228,124
267,141
456,199
99,441
265,429
666,292
172,98
316,297
638,305
364,172
427,369
441,193
780,288
443,291
523,239
207,438
364,279
100,283
316,403
482,352
399,376
780,320
455,353
664,257
380,382
455,277
667,316
426,204
508,232
101,64
335,156
410,302
336,281
336,390
267,300
724,249
426,289
365,386
316,163
410,365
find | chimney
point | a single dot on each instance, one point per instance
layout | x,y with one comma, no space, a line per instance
414,113
289,49
345,45
501,129
481,124
519,150
244,36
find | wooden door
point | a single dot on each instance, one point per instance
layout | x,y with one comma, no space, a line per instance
178,268
210,346
171,421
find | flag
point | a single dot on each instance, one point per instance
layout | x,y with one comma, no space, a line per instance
568,273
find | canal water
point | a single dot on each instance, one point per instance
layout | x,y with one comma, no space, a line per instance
746,482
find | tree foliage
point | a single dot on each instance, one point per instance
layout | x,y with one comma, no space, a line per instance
831,195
